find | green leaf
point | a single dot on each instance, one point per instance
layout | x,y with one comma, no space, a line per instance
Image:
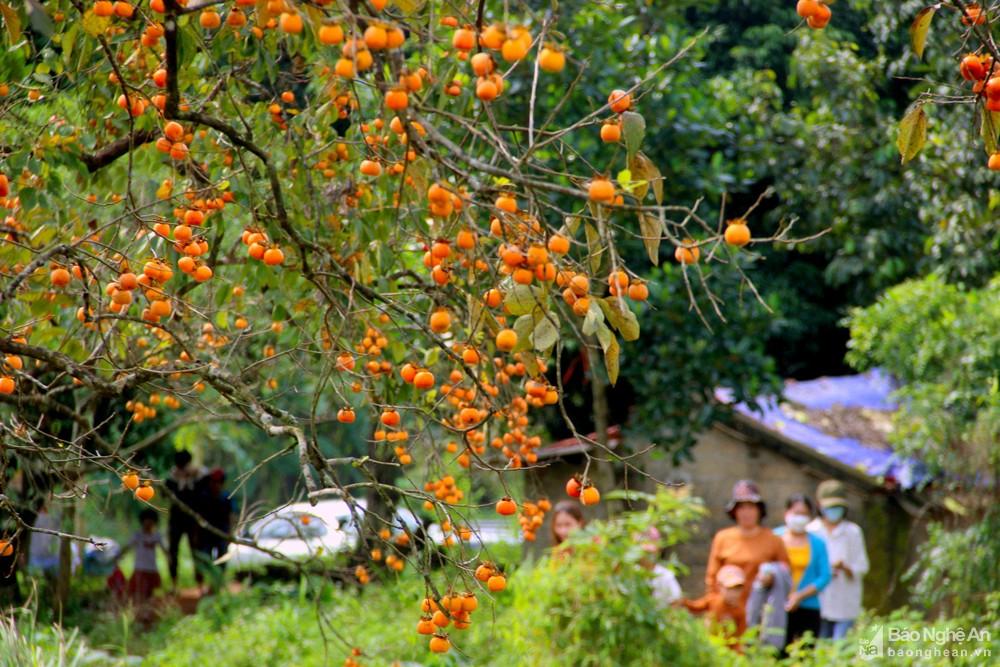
68,42
652,232
625,179
524,326
912,133
593,318
633,130
919,28
604,335
545,335
631,495
620,316
521,299
432,356
315,16
39,20
399,352
988,130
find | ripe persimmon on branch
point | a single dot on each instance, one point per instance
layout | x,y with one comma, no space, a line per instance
300,213
977,66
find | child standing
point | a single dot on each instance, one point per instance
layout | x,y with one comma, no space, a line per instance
666,589
724,606
145,577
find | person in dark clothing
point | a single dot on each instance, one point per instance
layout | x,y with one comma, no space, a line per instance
10,591
217,510
184,482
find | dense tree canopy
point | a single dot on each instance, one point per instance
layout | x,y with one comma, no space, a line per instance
380,219
365,239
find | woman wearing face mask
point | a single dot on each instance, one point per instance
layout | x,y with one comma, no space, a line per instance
810,568
840,602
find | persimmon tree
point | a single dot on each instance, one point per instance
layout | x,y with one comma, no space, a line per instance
977,67
293,214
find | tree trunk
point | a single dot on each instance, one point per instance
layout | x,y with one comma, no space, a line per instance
379,508
64,576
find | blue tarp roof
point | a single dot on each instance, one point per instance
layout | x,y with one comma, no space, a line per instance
869,390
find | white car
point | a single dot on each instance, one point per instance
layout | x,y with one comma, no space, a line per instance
485,531
300,536
303,532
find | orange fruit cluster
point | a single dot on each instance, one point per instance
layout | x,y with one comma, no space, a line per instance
974,14
578,487
11,364
394,562
532,516
453,609
143,490
445,490
174,141
259,247
493,578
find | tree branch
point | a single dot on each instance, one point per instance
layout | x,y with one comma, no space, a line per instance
117,148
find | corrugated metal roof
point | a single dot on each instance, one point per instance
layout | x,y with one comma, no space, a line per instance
569,446
869,390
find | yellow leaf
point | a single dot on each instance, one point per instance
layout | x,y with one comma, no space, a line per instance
409,6
912,133
651,231
990,122
12,22
919,28
644,170
611,360
94,25
262,14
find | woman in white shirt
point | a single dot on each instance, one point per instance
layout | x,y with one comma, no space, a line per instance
840,601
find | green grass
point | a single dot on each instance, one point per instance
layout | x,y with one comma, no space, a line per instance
185,567
592,609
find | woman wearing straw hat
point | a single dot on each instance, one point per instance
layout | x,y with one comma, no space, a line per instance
840,601
748,544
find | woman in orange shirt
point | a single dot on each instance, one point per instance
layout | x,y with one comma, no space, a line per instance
746,545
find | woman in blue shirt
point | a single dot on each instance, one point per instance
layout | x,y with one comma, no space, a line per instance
810,567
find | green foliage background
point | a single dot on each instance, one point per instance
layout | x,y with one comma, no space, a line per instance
593,606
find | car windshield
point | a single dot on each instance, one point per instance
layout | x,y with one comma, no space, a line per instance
293,526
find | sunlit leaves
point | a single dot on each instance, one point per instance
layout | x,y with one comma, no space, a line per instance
918,29
912,133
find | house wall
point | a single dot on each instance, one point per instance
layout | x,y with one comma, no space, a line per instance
721,457
550,481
